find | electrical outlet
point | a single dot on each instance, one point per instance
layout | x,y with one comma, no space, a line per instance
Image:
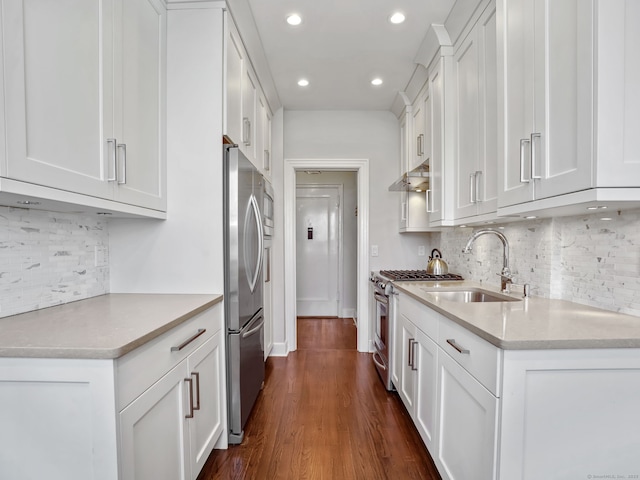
421,251
374,250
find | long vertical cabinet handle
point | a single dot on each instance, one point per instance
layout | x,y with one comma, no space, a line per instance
523,149
267,160
421,144
246,130
409,353
122,163
477,176
472,183
112,159
534,155
403,211
429,202
413,356
190,382
197,375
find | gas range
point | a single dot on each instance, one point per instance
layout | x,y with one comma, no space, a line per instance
383,278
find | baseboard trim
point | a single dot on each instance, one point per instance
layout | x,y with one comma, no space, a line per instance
279,350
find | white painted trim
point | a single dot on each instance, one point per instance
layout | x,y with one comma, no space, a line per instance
279,349
361,166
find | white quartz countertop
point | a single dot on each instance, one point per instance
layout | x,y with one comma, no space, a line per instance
531,323
107,326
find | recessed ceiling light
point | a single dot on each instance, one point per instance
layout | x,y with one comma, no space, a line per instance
529,217
397,18
376,81
303,82
606,218
294,19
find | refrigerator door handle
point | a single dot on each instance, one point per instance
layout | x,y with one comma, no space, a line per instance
253,280
254,330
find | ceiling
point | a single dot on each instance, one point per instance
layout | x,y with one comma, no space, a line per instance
340,46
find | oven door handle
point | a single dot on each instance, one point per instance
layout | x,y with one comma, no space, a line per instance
381,298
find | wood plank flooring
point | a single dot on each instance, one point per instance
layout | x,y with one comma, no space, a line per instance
324,414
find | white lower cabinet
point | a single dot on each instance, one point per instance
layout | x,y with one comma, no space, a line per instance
154,413
486,413
169,431
467,424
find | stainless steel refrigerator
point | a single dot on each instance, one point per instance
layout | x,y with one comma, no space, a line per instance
244,241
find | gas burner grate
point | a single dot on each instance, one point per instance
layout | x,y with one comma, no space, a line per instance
418,275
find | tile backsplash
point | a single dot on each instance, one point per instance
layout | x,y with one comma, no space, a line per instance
49,258
583,259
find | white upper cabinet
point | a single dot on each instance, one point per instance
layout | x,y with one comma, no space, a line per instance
58,84
140,104
84,98
235,59
475,70
568,90
247,113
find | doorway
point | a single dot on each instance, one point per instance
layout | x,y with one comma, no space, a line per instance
361,270
319,249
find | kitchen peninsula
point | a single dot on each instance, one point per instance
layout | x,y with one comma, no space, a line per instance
105,387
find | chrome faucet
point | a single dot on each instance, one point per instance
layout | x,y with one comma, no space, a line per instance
506,278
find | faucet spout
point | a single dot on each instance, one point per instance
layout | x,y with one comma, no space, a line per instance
506,272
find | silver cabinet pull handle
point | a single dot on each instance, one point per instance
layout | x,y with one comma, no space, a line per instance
413,355
477,176
523,148
472,182
112,159
403,211
409,356
197,375
267,160
421,144
122,163
189,340
534,154
246,130
460,349
190,382
429,203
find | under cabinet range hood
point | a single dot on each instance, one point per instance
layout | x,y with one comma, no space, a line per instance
416,180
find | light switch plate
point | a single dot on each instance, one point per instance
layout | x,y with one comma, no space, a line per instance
421,250
374,250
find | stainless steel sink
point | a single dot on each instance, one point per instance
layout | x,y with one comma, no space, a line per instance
470,295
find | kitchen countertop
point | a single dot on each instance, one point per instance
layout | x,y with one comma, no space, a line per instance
532,323
103,327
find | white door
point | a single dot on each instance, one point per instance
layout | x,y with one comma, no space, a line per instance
317,245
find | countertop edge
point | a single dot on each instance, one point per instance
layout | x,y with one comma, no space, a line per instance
534,344
97,353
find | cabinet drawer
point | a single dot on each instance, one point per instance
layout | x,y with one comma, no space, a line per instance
420,315
481,359
142,367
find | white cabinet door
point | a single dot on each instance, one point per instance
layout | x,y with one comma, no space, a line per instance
205,368
467,424
475,71
434,196
140,103
58,84
234,67
466,68
407,367
249,109
153,429
426,398
546,53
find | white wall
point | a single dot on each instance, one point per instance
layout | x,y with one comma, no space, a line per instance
374,135
348,180
183,254
582,259
48,258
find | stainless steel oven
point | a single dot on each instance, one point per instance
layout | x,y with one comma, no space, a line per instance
381,291
383,303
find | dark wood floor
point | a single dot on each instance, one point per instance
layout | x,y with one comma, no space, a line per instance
324,414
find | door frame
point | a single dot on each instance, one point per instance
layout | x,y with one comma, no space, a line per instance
361,167
340,269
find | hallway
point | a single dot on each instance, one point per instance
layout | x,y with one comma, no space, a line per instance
324,414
